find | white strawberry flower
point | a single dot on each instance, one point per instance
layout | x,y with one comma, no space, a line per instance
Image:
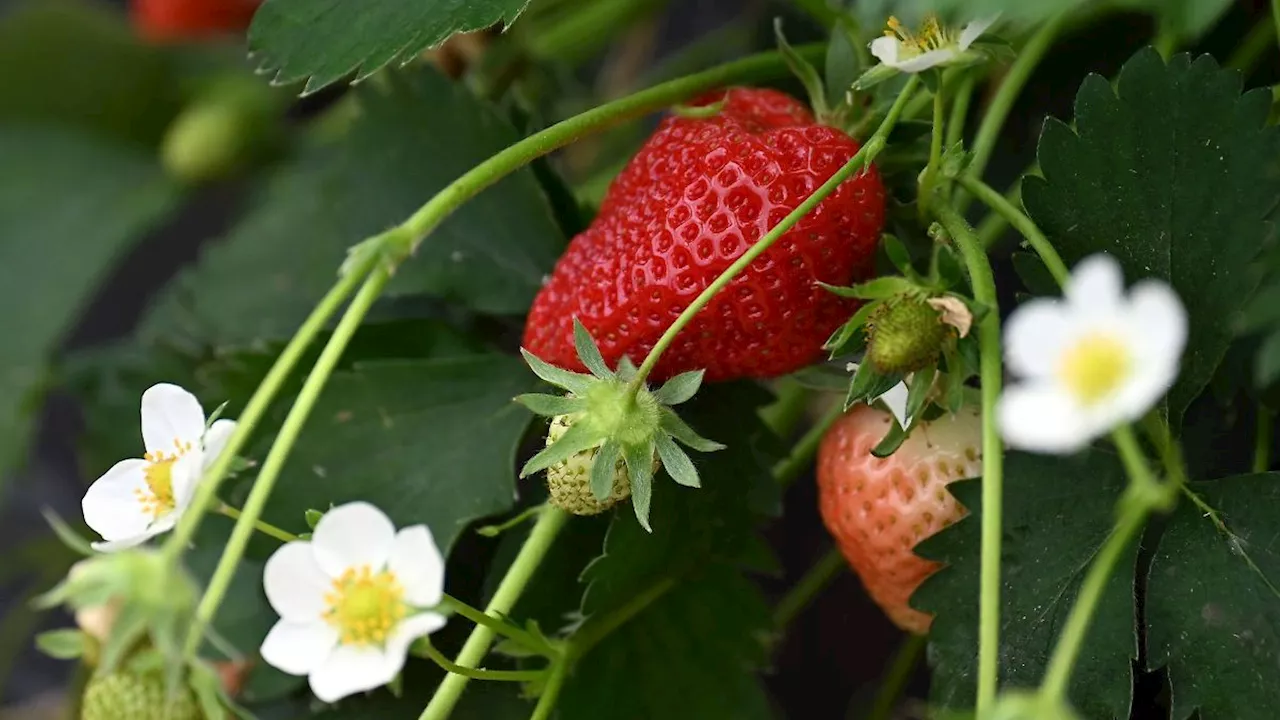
352,600
1090,361
138,499
935,45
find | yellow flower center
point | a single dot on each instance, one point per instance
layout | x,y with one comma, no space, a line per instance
365,606
157,500
1095,367
933,36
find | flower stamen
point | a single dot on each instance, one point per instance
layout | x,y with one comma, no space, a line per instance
365,606
1095,367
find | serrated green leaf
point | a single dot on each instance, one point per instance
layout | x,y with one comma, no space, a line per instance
427,441
604,469
1171,173
673,425
1057,513
1212,603
410,137
677,463
589,352
70,204
551,405
323,41
639,460
680,388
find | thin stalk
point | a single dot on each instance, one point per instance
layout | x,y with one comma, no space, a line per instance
1023,224
551,693
1256,44
1275,15
904,661
984,291
495,625
994,224
1262,439
263,527
509,590
863,157
426,648
930,174
960,104
789,468
814,581
275,459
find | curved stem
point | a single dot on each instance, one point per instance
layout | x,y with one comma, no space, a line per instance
789,468
1256,44
263,527
813,582
860,160
960,108
275,459
424,647
206,492
551,693
1020,72
544,532
930,174
904,661
1023,224
984,291
497,626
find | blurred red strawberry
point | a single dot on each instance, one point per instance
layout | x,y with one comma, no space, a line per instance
166,20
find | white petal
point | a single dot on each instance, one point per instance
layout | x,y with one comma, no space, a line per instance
975,29
895,398
185,474
216,438
349,670
409,630
170,414
1041,418
353,535
1034,337
128,542
111,506
885,49
1142,390
299,648
924,61
1158,318
295,584
419,566
1096,287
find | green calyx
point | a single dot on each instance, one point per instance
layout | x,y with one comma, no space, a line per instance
608,438
905,334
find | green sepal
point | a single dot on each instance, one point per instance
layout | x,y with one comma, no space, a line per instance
680,388
589,353
551,405
892,440
312,517
603,469
679,430
576,383
65,644
876,75
677,462
639,460
129,627
626,369
804,71
898,254
878,289
836,344
66,534
575,440
918,391
868,384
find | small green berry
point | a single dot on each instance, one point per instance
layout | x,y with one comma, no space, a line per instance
569,481
130,696
905,335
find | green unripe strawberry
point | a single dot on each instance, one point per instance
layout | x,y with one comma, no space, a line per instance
226,127
126,695
569,481
905,335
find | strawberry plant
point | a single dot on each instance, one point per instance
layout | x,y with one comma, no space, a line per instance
543,359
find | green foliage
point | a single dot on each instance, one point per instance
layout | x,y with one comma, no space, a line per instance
55,247
410,137
321,41
1213,609
1057,513
1171,174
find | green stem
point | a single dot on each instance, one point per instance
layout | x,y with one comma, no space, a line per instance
206,492
815,580
275,459
535,548
495,625
1275,15
425,647
551,693
960,108
1262,440
984,292
1020,72
522,517
930,174
782,415
994,224
1253,47
1023,224
904,661
1166,41
789,468
861,159
263,527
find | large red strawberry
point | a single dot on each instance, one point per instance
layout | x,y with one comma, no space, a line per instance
191,19
878,509
696,196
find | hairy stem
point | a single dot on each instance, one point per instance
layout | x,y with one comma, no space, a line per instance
535,548
1023,224
860,160
984,291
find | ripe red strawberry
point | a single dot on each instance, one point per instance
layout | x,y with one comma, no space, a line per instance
191,19
694,199
878,509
